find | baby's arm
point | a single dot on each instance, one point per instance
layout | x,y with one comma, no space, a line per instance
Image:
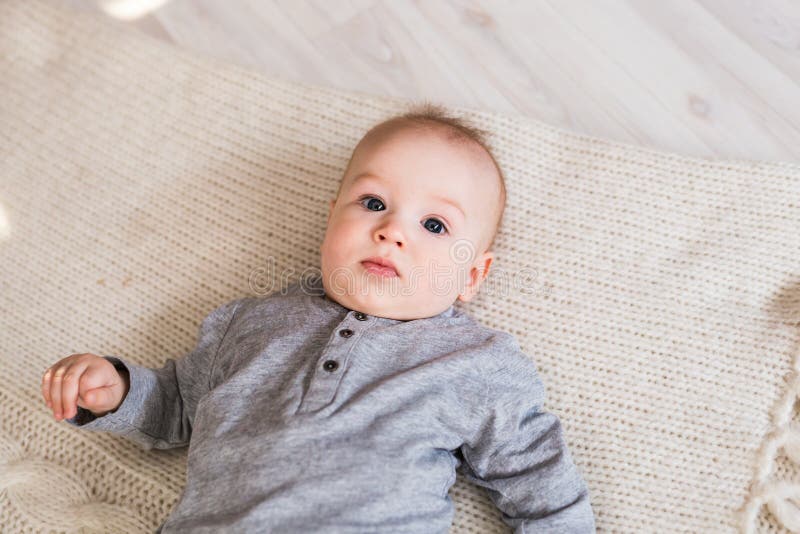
159,408
521,457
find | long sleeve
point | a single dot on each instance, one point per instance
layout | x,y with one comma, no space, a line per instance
519,455
160,406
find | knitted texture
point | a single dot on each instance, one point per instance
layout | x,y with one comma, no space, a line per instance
141,186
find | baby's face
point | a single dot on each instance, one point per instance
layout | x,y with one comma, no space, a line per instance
421,202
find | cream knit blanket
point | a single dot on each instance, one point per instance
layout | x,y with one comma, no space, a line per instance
141,186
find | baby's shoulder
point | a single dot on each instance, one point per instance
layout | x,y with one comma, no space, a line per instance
503,359
498,341
264,306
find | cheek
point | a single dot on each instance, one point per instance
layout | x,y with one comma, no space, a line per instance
437,264
447,255
340,237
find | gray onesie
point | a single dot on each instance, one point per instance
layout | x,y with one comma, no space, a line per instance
304,416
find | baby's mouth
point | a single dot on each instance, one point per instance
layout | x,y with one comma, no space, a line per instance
378,269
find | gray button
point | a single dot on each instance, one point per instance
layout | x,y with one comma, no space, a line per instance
330,365
360,316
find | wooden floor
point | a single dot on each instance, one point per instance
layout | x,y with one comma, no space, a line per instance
714,78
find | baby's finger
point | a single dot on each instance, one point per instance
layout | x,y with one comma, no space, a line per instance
46,385
55,389
69,389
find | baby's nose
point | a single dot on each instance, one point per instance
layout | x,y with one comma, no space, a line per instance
390,233
399,243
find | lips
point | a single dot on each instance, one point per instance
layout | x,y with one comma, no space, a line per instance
380,266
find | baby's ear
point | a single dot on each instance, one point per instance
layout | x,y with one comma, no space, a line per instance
477,274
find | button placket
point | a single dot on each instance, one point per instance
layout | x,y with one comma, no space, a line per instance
333,360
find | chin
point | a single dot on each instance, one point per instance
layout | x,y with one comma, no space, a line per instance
373,304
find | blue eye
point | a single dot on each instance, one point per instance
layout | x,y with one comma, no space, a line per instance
372,204
435,226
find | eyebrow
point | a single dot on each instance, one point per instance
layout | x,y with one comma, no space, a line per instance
439,198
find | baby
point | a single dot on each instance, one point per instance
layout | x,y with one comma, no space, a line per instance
347,401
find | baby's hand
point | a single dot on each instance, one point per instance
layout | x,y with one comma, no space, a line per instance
84,380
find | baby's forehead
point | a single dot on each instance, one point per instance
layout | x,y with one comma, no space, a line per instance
422,162
427,138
